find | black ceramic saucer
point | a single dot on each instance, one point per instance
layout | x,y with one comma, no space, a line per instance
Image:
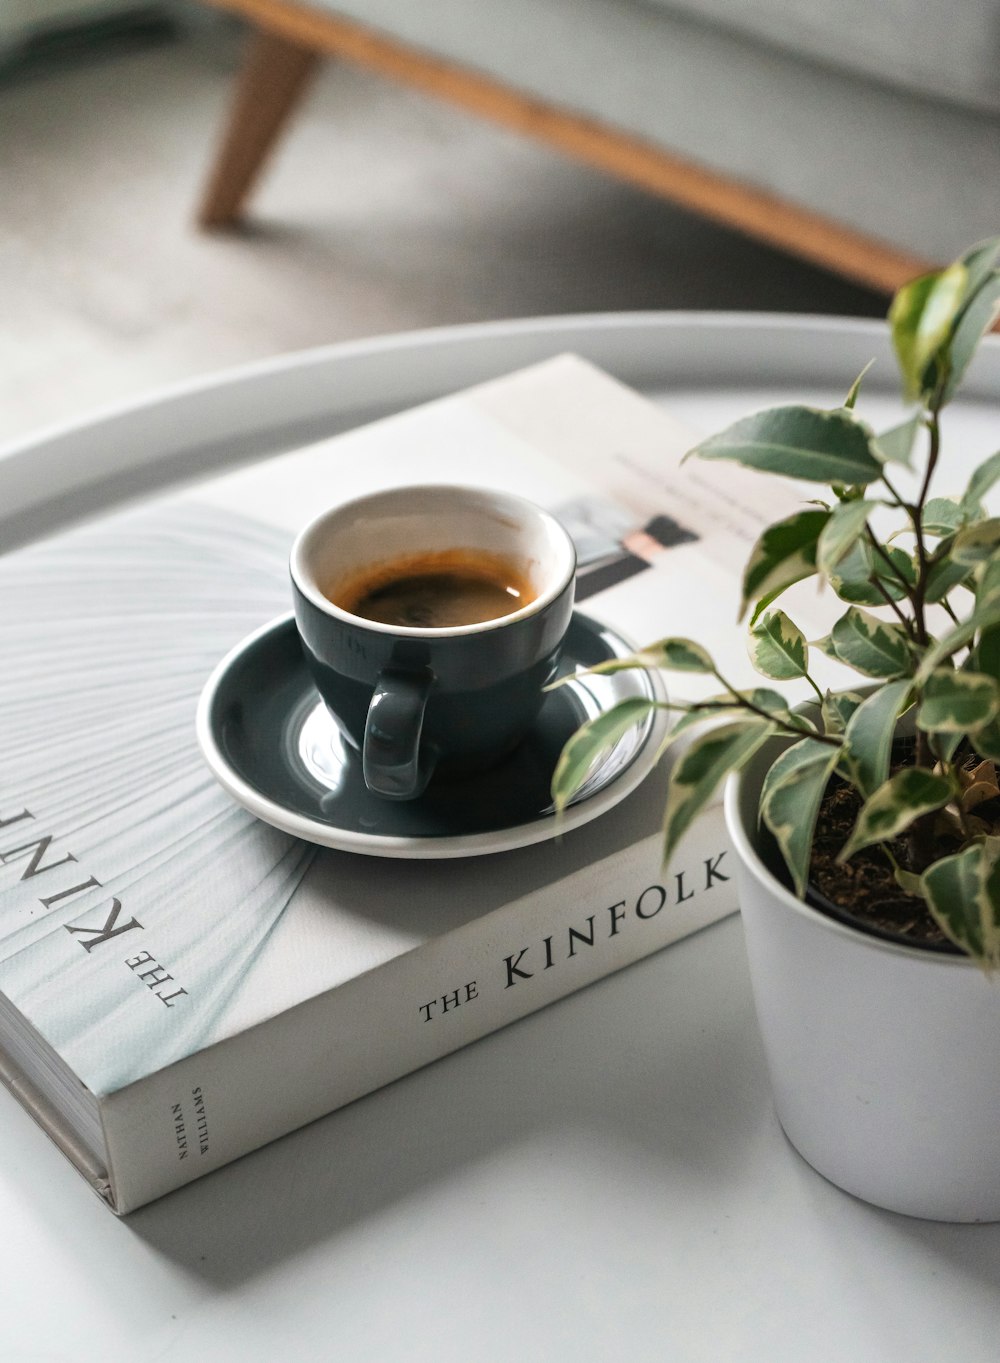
271,743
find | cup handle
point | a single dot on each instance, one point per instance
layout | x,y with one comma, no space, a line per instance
392,762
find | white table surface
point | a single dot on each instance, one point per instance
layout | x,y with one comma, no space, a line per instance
605,1180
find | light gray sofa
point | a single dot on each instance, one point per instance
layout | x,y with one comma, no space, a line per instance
863,135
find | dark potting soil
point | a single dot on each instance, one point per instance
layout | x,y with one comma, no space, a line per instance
863,891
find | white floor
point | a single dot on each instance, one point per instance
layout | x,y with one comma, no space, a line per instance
383,211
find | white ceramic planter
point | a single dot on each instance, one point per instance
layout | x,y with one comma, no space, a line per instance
884,1059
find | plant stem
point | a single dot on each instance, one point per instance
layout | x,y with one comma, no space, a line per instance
920,836
745,704
884,554
819,693
896,497
900,615
916,513
946,607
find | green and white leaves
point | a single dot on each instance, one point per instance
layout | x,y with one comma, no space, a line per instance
678,655
958,702
870,729
895,446
702,767
852,393
591,741
922,316
856,576
790,801
980,483
963,894
784,554
799,442
837,709
980,306
937,321
944,576
942,516
669,655
778,648
977,543
841,532
984,615
873,647
940,559
911,792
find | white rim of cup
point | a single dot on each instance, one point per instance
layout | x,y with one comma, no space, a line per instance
307,585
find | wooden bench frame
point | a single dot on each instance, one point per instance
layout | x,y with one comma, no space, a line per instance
288,40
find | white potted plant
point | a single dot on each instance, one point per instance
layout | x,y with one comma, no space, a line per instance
867,824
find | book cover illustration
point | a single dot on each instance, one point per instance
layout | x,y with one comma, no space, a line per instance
136,900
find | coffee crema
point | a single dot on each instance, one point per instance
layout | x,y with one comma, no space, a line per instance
436,590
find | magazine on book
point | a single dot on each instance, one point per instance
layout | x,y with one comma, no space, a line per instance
180,982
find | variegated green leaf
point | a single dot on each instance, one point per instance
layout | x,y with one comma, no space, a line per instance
958,702
702,767
909,882
908,794
942,516
727,705
895,446
766,601
963,894
987,652
790,801
874,647
766,698
946,745
945,575
869,734
921,317
763,697
979,314
837,709
841,532
977,543
985,476
778,648
855,574
591,741
985,614
785,553
678,655
855,388
688,719
987,577
668,655
800,442
980,262
986,741
732,702
700,714
986,655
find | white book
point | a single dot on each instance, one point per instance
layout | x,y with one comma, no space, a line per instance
181,983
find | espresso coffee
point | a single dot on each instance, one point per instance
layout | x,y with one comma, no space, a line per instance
431,620
436,590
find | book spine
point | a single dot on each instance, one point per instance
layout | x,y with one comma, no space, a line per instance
204,1111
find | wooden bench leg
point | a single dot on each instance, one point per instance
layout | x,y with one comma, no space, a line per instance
274,75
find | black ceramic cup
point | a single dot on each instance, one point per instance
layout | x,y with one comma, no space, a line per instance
429,700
